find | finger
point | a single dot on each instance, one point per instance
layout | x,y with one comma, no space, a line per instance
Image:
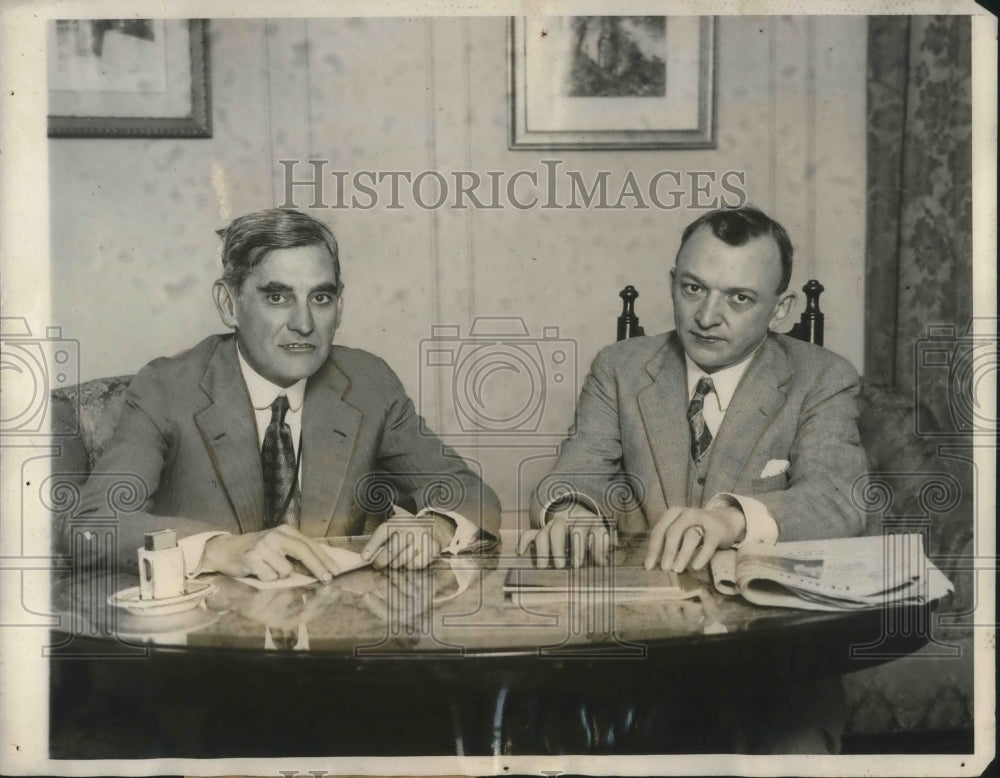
425,554
590,541
709,545
413,544
586,529
380,560
690,540
301,548
396,546
656,537
542,545
525,541
577,545
672,538
375,542
557,539
601,546
257,566
277,561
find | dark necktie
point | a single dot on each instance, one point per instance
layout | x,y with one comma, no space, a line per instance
701,436
277,458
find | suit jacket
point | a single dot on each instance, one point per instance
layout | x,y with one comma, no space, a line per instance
187,443
796,402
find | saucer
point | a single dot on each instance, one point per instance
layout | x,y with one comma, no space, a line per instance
130,600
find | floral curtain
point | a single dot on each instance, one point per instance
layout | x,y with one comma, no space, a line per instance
919,234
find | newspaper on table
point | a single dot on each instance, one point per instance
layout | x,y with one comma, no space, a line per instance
836,574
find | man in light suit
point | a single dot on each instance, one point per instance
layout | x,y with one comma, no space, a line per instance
722,432
252,443
782,451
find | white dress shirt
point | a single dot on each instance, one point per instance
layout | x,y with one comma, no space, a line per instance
761,526
262,394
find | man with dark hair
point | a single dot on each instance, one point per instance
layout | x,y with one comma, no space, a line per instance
737,226
252,443
726,433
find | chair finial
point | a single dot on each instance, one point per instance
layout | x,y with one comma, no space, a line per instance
628,322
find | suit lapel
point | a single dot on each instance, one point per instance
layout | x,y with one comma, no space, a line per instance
758,397
229,431
663,406
330,427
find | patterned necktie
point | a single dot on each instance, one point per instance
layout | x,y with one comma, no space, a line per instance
277,458
701,436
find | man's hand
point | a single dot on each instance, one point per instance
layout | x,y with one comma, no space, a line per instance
408,541
587,532
681,532
266,555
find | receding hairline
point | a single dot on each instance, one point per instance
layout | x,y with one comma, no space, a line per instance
776,250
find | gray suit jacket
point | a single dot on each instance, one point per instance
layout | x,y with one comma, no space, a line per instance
187,442
796,402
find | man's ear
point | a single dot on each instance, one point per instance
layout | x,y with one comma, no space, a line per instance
225,302
340,308
782,310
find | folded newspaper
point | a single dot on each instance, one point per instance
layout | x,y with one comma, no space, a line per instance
838,574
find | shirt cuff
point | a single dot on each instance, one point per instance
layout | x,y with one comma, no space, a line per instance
193,547
466,532
761,526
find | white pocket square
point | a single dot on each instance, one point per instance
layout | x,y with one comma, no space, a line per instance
775,467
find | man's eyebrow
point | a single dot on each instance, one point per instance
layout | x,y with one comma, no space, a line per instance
691,276
274,286
685,275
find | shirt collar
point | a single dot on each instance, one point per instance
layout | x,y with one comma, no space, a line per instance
725,380
263,392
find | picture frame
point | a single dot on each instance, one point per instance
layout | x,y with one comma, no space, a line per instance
138,78
612,82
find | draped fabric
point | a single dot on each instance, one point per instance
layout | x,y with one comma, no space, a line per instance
919,412
919,234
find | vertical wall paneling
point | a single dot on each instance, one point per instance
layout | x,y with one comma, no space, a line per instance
133,220
287,52
792,174
370,107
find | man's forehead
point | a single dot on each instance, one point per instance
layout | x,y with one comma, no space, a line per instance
751,264
297,266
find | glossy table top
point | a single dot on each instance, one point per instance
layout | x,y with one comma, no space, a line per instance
456,607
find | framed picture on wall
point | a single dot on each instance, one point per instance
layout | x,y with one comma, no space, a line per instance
612,82
143,78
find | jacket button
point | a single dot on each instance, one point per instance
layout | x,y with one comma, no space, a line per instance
701,480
